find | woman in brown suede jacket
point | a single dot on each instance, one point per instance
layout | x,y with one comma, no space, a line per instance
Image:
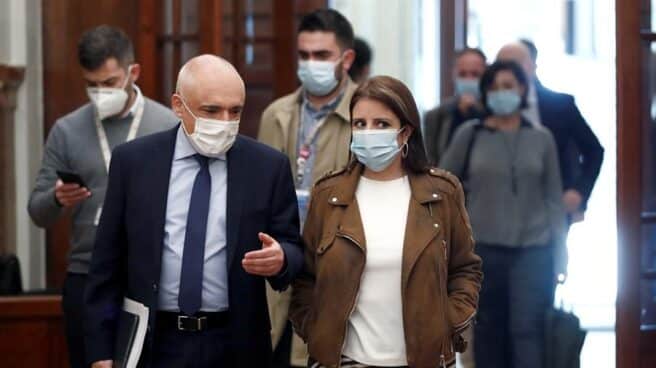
391,278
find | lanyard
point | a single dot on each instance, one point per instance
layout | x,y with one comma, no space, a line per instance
305,150
134,127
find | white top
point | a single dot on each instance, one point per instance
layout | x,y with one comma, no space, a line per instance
375,332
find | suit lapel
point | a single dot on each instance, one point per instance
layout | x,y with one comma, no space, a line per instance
160,175
237,169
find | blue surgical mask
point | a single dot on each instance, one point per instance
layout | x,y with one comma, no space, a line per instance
466,86
376,149
504,102
317,77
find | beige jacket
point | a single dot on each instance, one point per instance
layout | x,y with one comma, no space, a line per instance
279,129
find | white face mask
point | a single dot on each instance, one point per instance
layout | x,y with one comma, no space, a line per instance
109,101
318,77
211,137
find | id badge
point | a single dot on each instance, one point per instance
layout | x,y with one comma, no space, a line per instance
96,221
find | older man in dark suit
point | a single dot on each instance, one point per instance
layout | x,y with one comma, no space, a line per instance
579,151
195,220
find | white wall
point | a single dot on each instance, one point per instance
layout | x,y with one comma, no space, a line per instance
395,31
20,45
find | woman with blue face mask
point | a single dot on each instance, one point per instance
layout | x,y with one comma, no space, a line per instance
510,171
391,278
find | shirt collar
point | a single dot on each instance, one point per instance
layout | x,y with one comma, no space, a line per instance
137,100
328,107
532,93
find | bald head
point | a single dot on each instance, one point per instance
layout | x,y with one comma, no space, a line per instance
210,87
203,71
519,53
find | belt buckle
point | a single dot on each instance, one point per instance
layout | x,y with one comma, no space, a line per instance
200,323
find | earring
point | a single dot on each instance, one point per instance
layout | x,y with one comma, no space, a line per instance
404,150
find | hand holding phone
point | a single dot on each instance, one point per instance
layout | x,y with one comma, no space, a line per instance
70,189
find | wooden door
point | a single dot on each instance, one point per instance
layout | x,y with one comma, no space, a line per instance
636,183
257,36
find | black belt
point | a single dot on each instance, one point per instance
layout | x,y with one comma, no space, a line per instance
200,322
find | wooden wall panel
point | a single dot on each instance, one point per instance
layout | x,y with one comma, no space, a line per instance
10,80
32,333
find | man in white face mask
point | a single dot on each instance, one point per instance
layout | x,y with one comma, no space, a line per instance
196,220
312,127
81,143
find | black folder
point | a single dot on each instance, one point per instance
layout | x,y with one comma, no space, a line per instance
125,337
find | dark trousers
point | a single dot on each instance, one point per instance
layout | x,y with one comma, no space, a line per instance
517,289
282,352
73,306
181,349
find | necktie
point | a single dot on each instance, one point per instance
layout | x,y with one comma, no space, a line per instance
191,275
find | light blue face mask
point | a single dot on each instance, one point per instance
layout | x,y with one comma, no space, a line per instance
317,77
466,86
504,102
374,148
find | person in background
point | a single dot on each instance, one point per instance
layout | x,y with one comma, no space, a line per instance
82,142
441,122
580,154
510,171
390,277
311,126
197,219
361,68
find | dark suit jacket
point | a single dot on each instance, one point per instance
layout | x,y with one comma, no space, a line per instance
579,152
127,256
439,125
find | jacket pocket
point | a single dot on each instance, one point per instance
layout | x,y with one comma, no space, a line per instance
325,243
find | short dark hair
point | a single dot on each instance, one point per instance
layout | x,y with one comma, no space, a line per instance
362,58
471,50
532,49
104,42
397,97
491,73
329,20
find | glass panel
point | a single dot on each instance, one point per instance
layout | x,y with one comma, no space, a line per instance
258,57
649,130
168,73
258,18
648,284
189,50
189,18
651,15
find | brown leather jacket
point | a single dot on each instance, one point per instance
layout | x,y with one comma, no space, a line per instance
441,275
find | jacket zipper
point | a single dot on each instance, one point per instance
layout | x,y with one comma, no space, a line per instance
355,299
464,324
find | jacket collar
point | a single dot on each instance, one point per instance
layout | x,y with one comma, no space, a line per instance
342,110
343,193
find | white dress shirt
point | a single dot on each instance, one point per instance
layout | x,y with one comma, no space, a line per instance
532,112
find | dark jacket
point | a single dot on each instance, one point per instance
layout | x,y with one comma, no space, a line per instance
441,275
126,261
439,125
579,152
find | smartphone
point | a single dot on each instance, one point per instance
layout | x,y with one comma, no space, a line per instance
71,178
